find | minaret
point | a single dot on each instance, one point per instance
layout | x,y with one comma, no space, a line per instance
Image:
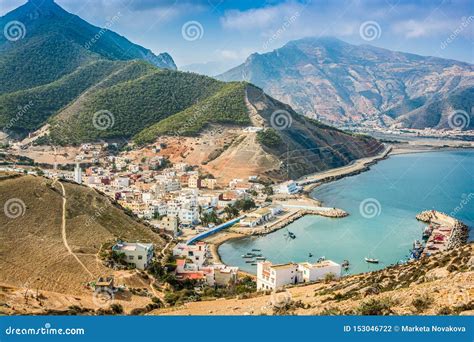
78,174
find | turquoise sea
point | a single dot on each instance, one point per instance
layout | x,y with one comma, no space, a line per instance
382,204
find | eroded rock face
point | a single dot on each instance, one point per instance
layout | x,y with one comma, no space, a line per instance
340,83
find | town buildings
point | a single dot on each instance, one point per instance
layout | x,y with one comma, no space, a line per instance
197,253
273,277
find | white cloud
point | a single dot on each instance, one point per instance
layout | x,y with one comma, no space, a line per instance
233,55
259,18
417,28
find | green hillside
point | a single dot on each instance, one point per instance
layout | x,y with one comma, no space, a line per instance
134,105
38,61
47,99
227,106
57,58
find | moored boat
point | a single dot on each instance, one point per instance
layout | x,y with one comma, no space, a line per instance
372,260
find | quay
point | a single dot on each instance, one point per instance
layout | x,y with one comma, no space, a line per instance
445,232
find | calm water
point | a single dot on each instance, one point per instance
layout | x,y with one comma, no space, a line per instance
403,186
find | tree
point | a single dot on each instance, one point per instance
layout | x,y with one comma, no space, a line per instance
231,211
268,190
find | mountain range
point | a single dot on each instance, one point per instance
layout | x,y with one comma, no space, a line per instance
78,83
348,85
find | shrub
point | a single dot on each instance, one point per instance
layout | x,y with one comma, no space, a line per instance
422,302
445,310
375,307
269,138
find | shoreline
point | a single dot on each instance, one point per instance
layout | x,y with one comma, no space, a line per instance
325,177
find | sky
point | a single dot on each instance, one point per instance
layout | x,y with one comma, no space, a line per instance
203,31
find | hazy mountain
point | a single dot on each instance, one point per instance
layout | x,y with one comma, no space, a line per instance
209,68
340,83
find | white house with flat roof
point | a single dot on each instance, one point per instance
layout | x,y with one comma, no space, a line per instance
137,254
289,187
273,277
196,253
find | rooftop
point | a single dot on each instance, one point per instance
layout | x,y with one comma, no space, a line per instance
132,246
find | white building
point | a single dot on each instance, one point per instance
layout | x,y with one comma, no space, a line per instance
273,277
317,271
136,253
169,224
165,184
122,182
289,187
189,215
78,174
196,253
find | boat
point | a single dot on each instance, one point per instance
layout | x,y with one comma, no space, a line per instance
310,255
372,260
321,259
345,264
427,232
248,256
417,245
291,235
256,250
260,258
249,261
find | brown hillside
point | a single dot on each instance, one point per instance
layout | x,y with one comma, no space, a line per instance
441,284
32,250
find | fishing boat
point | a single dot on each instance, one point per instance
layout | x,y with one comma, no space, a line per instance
417,245
372,260
321,259
254,264
345,264
249,261
310,255
256,250
260,258
247,256
427,232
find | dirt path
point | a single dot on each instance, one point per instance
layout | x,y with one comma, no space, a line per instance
63,232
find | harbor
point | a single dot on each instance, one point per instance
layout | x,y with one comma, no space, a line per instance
389,236
443,232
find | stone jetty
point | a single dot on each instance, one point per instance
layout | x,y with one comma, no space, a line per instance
269,227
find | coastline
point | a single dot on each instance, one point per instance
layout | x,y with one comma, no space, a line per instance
355,168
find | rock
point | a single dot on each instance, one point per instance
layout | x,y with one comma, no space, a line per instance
467,313
437,273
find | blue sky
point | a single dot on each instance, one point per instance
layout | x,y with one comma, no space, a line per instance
231,30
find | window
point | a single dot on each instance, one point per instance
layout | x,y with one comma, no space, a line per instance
130,257
140,257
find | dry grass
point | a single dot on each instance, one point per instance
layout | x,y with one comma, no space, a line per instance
32,251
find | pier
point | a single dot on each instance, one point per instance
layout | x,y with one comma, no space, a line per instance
447,233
